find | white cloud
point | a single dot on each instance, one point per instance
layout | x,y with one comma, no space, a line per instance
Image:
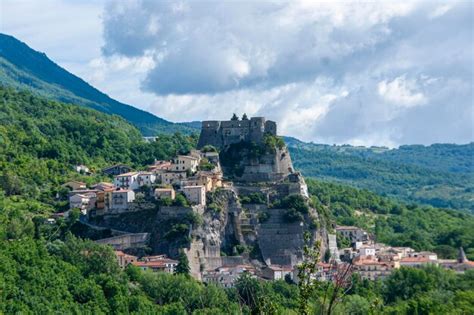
371,73
401,92
440,10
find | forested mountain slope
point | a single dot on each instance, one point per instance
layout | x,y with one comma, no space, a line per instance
42,139
441,175
45,269
24,68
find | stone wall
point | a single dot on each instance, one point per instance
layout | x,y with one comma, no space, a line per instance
123,242
224,133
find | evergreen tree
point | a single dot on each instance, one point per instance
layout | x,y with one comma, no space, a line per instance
234,117
183,264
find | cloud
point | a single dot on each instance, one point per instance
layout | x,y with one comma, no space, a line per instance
377,73
371,73
401,92
211,47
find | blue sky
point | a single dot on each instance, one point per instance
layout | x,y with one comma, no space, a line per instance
364,73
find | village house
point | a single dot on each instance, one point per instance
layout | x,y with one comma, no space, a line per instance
165,193
195,194
127,181
195,153
184,163
367,251
225,277
352,233
83,202
416,259
199,180
104,192
459,265
124,259
116,169
156,264
325,271
277,272
122,198
75,185
370,268
103,186
82,169
171,178
159,166
146,179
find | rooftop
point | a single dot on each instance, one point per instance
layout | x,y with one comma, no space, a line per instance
128,174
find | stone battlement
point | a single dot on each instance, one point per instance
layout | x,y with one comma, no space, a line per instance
223,133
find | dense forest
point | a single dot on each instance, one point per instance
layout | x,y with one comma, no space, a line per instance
46,269
441,175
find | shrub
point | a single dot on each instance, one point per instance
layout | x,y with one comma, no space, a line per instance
257,198
263,216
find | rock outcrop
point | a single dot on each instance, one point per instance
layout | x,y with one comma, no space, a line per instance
259,217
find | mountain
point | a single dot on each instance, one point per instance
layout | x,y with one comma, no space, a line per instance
22,67
45,269
441,175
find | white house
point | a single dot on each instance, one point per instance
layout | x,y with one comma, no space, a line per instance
195,194
84,202
226,276
185,162
127,180
82,169
353,233
277,272
157,263
367,251
146,179
121,199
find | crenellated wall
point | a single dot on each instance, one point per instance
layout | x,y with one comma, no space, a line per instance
224,133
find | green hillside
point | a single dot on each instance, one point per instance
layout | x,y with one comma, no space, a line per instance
44,269
441,175
24,68
41,140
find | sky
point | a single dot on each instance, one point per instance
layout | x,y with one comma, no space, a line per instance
382,73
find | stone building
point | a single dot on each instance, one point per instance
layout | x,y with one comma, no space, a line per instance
223,133
195,194
165,193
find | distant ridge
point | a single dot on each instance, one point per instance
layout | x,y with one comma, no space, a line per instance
22,67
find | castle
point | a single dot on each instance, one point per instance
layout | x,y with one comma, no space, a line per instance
224,133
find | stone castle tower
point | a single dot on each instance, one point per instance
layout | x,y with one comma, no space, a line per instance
224,133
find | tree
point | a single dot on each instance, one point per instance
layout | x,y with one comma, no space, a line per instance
244,117
234,117
183,264
306,270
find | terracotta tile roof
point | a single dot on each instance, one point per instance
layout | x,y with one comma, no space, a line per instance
415,260
154,263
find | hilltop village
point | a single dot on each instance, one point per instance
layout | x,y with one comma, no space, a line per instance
234,205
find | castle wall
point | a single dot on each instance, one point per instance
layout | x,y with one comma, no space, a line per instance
224,133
